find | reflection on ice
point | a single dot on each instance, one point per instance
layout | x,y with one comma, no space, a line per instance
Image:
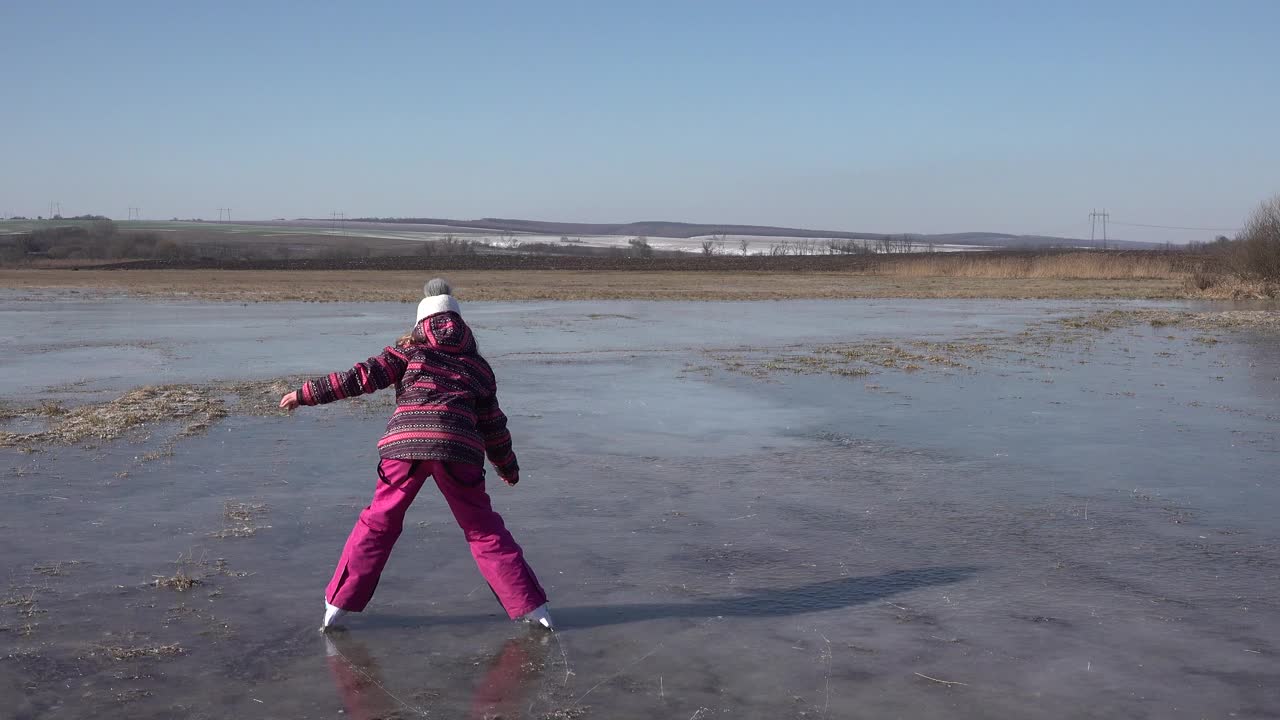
505,685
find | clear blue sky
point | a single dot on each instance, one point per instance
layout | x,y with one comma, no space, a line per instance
927,116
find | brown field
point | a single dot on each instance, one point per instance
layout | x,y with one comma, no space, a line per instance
513,276
405,286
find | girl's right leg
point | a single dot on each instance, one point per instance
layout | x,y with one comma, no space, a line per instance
375,534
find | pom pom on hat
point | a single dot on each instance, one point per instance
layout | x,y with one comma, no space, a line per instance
436,286
438,298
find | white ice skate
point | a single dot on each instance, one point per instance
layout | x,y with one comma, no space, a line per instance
332,613
540,616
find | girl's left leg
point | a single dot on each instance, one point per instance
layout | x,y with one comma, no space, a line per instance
499,557
375,534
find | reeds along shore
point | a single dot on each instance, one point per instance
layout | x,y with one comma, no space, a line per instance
1199,276
1056,266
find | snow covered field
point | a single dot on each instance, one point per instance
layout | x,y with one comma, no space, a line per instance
718,244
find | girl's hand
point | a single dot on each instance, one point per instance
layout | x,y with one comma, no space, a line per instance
289,401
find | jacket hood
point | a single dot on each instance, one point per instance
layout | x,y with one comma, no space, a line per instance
445,331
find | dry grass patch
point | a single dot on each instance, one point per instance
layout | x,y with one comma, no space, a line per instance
1031,345
860,359
122,652
1226,320
128,696
242,512
110,420
25,604
55,569
1229,287
191,572
1065,266
197,407
905,356
242,519
180,581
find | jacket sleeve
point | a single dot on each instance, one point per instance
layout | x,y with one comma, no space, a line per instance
374,374
492,424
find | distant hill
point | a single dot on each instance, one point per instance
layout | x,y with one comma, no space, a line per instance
668,229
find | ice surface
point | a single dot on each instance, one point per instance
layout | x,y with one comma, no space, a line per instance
1089,533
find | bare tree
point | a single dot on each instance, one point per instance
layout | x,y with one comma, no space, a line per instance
744,244
450,245
846,247
507,239
1256,250
641,246
708,247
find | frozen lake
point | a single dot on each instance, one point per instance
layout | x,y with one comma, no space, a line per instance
1050,530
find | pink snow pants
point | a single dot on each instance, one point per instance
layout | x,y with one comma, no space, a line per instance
500,559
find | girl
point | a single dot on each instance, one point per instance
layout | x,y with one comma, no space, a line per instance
446,420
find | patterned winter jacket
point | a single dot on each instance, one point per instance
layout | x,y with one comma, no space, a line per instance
446,401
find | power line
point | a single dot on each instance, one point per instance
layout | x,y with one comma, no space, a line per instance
1175,227
1093,226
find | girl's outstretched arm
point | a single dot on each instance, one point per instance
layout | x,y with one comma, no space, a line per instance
374,374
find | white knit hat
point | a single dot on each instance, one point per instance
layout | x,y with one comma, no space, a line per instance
437,299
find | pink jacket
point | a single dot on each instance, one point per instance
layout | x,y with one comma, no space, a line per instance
446,397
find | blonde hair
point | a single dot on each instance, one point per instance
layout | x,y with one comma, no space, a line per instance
406,339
